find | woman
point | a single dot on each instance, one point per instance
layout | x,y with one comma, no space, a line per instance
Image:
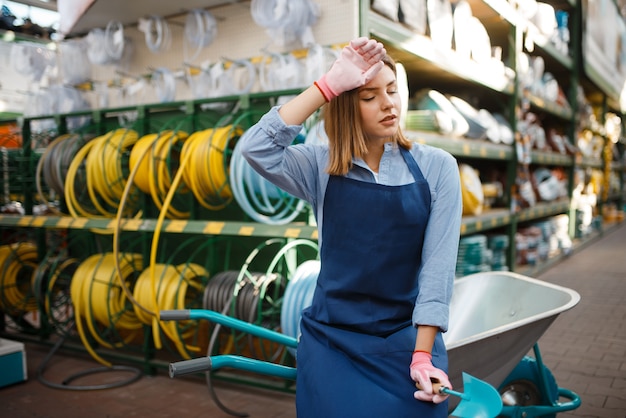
388,212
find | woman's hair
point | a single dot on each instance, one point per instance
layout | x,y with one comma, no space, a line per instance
342,122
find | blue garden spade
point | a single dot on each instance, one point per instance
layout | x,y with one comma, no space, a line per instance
480,399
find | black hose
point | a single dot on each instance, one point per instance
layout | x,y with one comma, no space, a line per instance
226,283
65,384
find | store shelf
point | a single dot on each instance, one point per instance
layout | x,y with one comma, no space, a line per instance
543,42
461,147
550,107
491,219
543,210
551,158
241,229
578,244
605,78
589,162
418,53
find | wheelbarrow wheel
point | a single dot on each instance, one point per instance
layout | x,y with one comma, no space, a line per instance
522,387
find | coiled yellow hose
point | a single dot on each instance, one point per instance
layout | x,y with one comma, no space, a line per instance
102,158
97,297
215,145
207,172
175,288
18,263
153,175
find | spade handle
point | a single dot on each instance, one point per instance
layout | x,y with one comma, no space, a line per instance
440,388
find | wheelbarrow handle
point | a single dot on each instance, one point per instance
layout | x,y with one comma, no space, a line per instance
196,365
227,321
204,364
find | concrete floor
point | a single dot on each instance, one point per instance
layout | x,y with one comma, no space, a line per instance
585,349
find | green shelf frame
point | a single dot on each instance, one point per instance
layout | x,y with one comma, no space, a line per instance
224,228
461,147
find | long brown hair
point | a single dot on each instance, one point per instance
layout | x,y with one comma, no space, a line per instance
342,122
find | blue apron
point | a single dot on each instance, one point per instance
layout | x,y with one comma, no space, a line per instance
357,337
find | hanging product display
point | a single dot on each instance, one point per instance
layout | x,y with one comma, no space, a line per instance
279,72
200,31
164,83
157,33
73,61
286,21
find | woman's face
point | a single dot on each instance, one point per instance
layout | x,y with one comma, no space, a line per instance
379,104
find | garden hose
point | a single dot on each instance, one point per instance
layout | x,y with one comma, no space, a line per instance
97,297
218,295
164,82
114,40
105,181
105,176
74,206
228,294
242,295
65,385
286,21
153,175
260,199
154,305
279,71
18,262
57,300
298,296
57,306
185,158
206,174
175,288
158,35
200,31
39,281
270,285
54,162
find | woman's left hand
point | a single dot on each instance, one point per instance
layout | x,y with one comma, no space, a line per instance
422,371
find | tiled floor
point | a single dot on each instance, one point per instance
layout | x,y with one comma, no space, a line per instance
585,348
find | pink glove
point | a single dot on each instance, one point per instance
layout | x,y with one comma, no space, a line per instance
422,370
358,63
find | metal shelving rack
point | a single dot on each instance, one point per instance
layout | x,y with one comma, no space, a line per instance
419,56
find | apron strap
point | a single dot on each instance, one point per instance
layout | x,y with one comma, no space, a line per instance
412,164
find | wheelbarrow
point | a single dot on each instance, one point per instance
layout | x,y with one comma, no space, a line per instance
496,318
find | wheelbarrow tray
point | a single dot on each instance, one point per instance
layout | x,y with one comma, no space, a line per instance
495,319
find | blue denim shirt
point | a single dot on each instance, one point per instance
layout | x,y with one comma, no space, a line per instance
301,170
